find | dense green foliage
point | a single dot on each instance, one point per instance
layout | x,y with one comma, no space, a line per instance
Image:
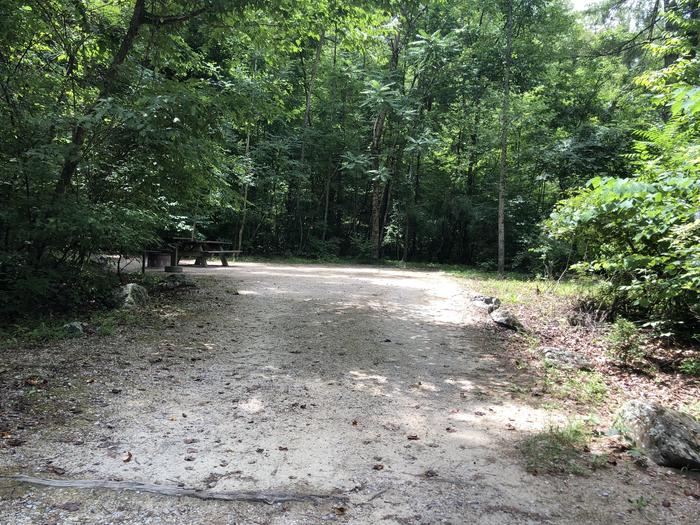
354,128
643,232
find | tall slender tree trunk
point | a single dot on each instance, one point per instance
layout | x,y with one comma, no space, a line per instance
247,182
245,196
375,152
295,189
327,198
505,123
473,156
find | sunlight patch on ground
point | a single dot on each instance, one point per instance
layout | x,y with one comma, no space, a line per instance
361,376
252,406
464,384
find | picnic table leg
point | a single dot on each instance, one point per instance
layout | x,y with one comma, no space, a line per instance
143,263
224,261
174,259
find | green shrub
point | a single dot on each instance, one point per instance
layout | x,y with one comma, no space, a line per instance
27,289
690,367
625,342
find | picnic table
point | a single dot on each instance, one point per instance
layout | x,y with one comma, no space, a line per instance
201,249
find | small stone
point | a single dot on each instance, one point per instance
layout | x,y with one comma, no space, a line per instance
74,329
486,302
70,506
565,358
506,318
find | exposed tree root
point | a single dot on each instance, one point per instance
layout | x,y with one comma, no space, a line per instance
270,497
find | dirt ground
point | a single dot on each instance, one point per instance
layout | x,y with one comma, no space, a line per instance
377,390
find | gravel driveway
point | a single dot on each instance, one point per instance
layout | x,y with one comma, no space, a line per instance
377,393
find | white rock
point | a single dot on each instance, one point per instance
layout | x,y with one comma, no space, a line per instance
670,438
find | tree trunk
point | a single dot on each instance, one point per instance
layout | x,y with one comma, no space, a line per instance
247,183
473,155
309,88
375,152
505,122
73,157
327,199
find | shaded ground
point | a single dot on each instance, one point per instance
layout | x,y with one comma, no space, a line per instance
375,385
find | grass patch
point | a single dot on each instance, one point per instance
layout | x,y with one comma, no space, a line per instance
560,450
31,331
583,387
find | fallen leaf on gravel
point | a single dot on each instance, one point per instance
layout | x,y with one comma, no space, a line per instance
70,506
90,380
666,503
56,470
14,442
283,449
260,450
691,494
354,422
116,391
430,473
127,457
412,437
189,458
509,426
378,466
340,510
189,441
35,381
479,413
451,429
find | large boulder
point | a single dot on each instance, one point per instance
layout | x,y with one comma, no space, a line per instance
132,295
506,318
670,438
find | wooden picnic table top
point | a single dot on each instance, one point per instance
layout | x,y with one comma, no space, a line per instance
187,240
